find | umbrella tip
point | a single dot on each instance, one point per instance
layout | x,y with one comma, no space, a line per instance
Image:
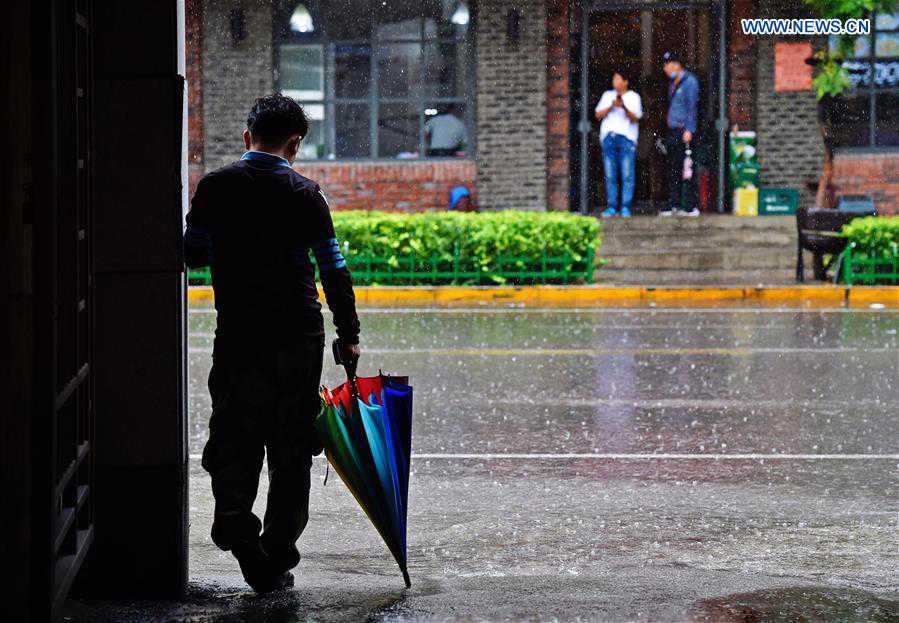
406,579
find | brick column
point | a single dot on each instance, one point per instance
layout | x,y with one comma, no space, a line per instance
558,101
193,27
234,74
741,69
789,138
511,106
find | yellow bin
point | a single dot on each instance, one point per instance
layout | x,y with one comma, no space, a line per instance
746,202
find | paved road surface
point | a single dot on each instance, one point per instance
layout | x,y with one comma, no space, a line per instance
601,465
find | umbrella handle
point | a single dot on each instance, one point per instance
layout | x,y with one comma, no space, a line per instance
349,367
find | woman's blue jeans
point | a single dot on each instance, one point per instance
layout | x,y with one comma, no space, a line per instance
619,155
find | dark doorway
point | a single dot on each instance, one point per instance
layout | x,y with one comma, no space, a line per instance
632,37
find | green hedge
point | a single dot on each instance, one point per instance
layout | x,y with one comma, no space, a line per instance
464,248
873,234
451,247
872,255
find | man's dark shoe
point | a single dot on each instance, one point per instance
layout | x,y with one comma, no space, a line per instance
257,569
283,561
273,583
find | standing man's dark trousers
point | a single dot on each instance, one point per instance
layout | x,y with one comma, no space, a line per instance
682,193
263,401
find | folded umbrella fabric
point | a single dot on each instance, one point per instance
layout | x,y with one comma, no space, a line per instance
365,426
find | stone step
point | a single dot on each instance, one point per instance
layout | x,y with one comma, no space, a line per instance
703,223
711,249
698,259
623,241
696,277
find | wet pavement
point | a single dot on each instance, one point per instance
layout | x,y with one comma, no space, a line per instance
643,464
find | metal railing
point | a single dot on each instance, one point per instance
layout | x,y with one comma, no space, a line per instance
372,269
865,268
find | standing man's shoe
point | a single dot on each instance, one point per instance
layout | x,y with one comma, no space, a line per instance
666,212
609,213
257,570
691,213
274,583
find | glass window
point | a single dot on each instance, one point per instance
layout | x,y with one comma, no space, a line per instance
353,140
351,75
301,72
399,69
887,115
398,132
445,64
446,19
398,20
345,20
871,113
381,79
854,127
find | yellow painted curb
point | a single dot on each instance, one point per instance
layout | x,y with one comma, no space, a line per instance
610,296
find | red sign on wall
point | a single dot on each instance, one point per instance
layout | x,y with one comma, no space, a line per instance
791,72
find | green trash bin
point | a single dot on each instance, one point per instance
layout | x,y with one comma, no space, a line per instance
777,201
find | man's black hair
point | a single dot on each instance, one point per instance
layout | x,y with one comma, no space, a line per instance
275,118
624,75
672,57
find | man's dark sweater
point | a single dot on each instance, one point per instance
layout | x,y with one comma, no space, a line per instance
255,222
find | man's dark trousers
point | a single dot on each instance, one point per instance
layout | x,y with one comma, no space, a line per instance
682,193
264,400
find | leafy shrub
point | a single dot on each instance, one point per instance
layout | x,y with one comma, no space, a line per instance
874,258
874,235
453,247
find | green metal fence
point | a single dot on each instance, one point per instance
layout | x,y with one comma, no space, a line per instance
863,268
369,269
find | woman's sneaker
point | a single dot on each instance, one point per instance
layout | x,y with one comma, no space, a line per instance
666,211
625,212
693,212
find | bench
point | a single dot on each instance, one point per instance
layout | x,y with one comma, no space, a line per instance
819,230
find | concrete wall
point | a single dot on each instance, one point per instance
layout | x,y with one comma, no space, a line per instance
511,106
138,363
234,74
17,299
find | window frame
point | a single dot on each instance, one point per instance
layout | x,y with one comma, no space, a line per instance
871,91
283,35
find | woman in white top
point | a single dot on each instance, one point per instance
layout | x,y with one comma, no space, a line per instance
620,110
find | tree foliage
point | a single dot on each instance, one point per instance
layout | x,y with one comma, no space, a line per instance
831,78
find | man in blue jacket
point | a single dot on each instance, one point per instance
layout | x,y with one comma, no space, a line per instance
254,222
683,103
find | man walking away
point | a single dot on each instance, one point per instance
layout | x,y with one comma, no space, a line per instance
254,222
620,110
683,102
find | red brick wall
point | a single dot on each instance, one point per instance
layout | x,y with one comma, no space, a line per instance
741,59
412,186
558,101
870,174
